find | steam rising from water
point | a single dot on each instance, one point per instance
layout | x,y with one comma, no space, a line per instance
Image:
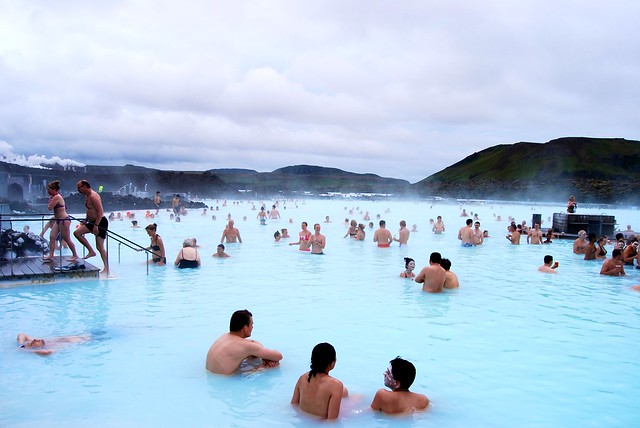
33,161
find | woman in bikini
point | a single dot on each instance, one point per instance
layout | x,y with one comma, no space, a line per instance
303,238
601,251
62,222
409,266
157,246
353,230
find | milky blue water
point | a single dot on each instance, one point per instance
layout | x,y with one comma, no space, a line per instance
511,347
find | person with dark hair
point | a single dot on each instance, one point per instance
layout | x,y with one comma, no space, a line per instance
229,351
95,223
465,234
630,252
62,223
613,266
157,246
220,251
590,249
383,236
432,277
409,266
451,279
304,238
156,201
549,266
601,251
316,392
399,377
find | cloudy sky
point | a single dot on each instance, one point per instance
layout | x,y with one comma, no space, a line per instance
400,89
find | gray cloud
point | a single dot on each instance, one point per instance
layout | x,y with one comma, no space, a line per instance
397,89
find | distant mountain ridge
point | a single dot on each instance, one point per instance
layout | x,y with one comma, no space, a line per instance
593,169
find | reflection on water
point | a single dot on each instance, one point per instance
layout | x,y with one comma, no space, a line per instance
511,347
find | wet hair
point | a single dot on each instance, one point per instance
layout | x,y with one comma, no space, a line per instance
403,223
592,237
548,259
85,183
382,222
435,257
221,246
54,185
446,264
353,223
239,320
152,227
469,221
615,253
619,236
276,234
407,260
322,355
403,371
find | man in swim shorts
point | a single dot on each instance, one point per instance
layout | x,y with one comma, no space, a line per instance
318,240
95,223
231,349
383,236
465,234
403,234
432,277
399,377
438,226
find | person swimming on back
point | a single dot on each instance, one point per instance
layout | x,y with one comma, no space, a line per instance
44,348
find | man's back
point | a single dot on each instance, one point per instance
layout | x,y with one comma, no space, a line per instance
227,353
432,278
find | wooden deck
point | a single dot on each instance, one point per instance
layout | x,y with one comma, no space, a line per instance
32,270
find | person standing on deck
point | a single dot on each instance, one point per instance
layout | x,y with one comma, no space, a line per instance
95,223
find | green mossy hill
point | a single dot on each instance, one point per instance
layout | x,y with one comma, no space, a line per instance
594,169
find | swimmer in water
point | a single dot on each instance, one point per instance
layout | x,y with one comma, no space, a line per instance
383,236
409,266
399,377
316,392
304,238
548,266
44,348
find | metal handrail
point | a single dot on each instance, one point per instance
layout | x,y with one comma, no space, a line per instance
47,217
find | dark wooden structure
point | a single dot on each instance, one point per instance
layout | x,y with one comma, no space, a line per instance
33,270
568,225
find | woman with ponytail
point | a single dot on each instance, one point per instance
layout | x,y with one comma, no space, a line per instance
316,392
